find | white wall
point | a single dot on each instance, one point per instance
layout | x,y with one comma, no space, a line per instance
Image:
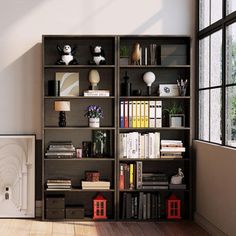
22,24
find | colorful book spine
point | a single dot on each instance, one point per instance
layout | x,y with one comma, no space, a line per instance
146,114
126,115
158,122
122,121
130,114
152,114
134,114
122,177
138,115
131,176
142,114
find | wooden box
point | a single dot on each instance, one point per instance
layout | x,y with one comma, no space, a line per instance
74,212
55,213
55,203
92,176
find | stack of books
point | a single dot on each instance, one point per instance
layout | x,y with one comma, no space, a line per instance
172,149
140,114
60,149
97,93
101,185
137,145
58,184
154,181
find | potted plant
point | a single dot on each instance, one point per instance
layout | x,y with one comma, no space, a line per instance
124,55
176,116
94,113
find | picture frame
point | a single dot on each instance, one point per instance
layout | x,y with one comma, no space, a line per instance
17,173
168,90
69,83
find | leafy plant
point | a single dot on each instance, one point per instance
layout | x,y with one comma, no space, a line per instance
175,108
94,111
124,52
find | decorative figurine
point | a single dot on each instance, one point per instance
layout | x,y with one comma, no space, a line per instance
136,54
94,79
173,207
67,55
98,56
99,207
149,77
126,86
177,179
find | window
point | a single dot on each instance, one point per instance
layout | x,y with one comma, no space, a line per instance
217,72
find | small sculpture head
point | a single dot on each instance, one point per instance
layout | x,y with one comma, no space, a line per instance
67,48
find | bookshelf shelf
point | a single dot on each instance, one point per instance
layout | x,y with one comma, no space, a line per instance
167,68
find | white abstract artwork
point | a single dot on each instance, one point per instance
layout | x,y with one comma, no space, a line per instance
17,176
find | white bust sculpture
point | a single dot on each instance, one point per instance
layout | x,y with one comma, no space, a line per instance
177,179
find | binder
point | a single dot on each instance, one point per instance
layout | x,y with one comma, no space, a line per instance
122,177
158,122
131,176
152,114
142,114
126,115
146,114
134,114
130,114
138,114
122,123
157,145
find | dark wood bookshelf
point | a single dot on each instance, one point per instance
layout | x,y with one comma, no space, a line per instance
77,130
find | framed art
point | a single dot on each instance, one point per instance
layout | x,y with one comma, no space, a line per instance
168,90
69,83
17,174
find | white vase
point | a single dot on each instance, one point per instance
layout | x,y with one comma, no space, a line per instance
94,122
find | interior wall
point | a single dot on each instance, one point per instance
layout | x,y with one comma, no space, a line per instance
215,188
22,24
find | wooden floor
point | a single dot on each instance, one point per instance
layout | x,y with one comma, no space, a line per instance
17,227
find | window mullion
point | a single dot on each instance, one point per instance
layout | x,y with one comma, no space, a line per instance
223,121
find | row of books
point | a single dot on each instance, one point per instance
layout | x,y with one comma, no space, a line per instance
137,145
101,185
60,149
172,149
143,206
97,93
140,114
58,184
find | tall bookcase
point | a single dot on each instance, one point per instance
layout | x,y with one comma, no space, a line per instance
77,129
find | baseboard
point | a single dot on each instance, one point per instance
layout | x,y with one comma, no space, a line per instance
208,226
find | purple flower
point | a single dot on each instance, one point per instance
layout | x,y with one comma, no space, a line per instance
94,111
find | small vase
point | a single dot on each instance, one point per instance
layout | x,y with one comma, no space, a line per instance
94,122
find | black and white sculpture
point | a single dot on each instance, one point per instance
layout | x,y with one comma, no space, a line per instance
98,56
67,55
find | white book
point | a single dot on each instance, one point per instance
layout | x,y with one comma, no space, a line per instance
173,149
142,146
136,143
121,149
129,145
151,145
122,118
146,146
152,114
170,141
157,145
125,145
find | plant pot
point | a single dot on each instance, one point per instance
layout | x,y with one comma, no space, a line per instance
177,120
94,122
124,60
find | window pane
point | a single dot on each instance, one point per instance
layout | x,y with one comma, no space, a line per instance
204,13
215,116
231,54
204,63
204,115
231,116
216,59
231,6
216,10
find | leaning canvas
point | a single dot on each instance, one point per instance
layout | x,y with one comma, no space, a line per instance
69,83
17,176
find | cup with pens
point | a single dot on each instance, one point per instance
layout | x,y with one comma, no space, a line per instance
182,86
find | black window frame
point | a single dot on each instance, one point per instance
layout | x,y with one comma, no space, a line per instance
221,24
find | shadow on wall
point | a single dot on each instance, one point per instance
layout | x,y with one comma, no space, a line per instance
20,94
13,10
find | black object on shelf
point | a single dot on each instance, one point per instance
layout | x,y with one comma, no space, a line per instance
137,92
86,148
53,88
126,86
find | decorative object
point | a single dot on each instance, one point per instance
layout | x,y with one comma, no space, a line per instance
145,56
173,207
99,207
67,55
182,86
53,88
94,79
17,158
126,86
124,55
62,107
94,113
86,148
137,92
153,49
176,116
69,83
149,77
136,54
168,90
177,179
79,152
98,56
101,143
92,176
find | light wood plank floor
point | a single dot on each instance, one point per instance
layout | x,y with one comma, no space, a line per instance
20,227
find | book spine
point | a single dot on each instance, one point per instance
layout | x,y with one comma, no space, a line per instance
130,114
139,171
134,121
152,114
131,176
146,115
144,206
122,123
122,177
146,146
125,145
142,146
140,206
126,115
142,114
138,118
158,122
157,145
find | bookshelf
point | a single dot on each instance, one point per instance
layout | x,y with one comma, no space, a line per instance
77,130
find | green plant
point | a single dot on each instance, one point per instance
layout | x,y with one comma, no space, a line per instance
175,108
124,52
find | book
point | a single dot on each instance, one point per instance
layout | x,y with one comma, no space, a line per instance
151,187
131,178
128,206
146,115
130,114
122,177
152,114
134,110
177,186
144,206
140,204
122,121
142,114
138,114
158,115
139,170
126,114
124,206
